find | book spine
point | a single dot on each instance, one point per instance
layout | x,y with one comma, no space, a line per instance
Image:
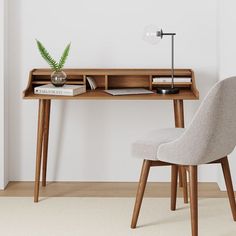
79,91
53,92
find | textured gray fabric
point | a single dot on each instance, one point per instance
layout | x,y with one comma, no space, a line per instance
211,134
146,148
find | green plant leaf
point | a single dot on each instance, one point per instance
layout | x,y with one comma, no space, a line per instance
47,57
64,57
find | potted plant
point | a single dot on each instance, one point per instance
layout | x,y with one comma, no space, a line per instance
58,76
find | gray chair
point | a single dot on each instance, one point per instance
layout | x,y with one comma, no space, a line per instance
210,137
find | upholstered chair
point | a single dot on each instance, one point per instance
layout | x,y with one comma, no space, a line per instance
209,139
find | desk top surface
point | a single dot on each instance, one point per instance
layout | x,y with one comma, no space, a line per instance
115,71
102,95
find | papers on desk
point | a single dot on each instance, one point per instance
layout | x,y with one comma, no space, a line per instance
92,82
132,91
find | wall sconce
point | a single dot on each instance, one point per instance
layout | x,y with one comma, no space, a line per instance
153,35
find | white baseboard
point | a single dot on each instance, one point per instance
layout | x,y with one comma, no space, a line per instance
221,181
222,187
4,185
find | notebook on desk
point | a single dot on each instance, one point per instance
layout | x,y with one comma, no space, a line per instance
132,91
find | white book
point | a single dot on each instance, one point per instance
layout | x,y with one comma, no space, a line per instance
66,90
169,80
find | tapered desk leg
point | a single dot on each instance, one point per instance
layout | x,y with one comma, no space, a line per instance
41,112
45,140
179,123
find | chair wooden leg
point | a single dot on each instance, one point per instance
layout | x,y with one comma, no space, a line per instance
174,180
229,185
185,185
39,148
193,199
180,178
45,140
140,192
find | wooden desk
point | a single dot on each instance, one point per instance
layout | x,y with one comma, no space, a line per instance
105,79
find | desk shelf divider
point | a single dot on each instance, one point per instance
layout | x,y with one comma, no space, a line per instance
114,79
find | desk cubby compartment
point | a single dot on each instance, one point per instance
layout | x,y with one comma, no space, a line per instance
179,84
41,78
100,81
128,81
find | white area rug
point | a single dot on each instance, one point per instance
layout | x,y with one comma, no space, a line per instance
110,217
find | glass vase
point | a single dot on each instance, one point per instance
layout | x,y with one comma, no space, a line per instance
58,78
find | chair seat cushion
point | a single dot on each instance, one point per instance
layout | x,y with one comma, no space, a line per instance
146,148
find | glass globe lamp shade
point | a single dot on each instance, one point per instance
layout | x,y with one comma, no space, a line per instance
152,34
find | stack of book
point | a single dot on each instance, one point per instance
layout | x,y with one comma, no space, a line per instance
169,80
66,90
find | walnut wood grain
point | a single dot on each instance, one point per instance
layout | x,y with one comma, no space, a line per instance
174,180
41,112
193,183
113,78
101,95
105,78
140,192
179,123
118,71
229,185
45,140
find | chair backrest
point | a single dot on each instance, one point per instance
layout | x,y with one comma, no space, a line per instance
212,133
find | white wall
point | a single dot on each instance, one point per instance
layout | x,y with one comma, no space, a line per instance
3,102
91,140
227,62
1,94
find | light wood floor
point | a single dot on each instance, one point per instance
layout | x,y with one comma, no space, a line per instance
103,189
